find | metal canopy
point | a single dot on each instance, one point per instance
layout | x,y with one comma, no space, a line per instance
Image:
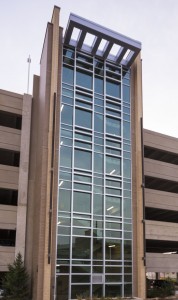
128,48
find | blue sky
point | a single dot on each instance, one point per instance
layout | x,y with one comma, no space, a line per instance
153,22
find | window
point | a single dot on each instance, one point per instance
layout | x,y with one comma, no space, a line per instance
126,130
68,75
113,126
113,165
66,157
126,93
64,200
82,159
83,118
99,86
7,237
113,206
84,79
82,202
63,247
98,163
66,114
113,88
9,157
99,123
8,197
113,249
10,120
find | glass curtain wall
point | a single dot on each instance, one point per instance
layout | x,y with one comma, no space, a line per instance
94,242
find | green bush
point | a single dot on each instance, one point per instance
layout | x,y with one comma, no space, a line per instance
160,288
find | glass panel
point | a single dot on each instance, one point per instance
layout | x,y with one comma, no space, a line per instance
127,168
98,204
113,206
113,269
113,126
64,141
113,88
63,230
81,231
113,278
113,112
83,187
114,144
66,133
99,102
83,104
127,249
83,118
68,75
113,225
82,202
113,234
126,93
113,151
99,123
80,278
67,100
82,178
65,176
127,208
63,247
82,159
80,222
113,165
83,96
63,221
67,114
98,223
64,200
126,130
97,248
115,192
67,92
82,290
62,284
66,156
83,145
83,136
84,79
113,183
99,86
81,269
127,290
81,247
113,105
98,162
113,249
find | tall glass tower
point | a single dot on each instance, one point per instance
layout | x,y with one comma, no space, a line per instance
94,225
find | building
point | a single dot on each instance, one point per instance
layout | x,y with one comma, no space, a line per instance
85,196
15,120
161,189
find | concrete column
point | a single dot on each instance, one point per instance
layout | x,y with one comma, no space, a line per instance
23,175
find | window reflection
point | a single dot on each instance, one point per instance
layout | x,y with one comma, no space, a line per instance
83,118
113,126
82,159
82,202
113,249
81,247
84,79
113,165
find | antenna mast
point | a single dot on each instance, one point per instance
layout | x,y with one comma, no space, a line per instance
29,62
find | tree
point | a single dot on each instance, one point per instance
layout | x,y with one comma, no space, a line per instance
16,282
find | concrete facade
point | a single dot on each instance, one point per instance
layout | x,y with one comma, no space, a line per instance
161,201
15,109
